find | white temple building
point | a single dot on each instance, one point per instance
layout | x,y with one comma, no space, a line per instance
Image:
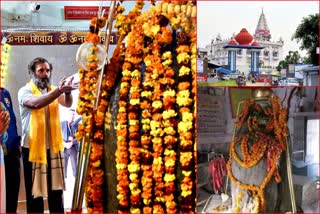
269,55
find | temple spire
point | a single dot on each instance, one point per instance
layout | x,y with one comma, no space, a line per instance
262,30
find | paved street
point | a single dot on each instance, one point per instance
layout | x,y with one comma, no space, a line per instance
249,83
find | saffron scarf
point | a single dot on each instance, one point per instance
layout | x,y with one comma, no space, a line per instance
38,132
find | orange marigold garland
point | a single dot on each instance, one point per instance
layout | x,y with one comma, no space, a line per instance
94,121
122,152
266,141
193,62
154,156
152,61
186,124
169,116
146,148
87,97
157,131
134,40
127,133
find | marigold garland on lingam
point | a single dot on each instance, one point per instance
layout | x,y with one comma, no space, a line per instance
93,120
152,133
155,121
267,141
185,50
127,156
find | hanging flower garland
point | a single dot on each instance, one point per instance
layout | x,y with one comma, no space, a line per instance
87,97
122,153
88,80
151,28
266,141
134,40
169,116
127,135
186,124
153,108
157,110
93,121
95,178
146,152
193,61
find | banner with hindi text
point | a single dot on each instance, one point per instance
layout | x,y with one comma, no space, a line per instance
53,38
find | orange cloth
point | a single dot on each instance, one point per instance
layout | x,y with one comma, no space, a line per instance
38,132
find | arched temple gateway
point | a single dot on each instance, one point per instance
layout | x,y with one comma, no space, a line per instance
248,53
244,40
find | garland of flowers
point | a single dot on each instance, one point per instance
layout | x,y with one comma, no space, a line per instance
154,156
157,130
151,61
153,116
193,61
122,152
269,146
146,151
134,48
87,83
169,116
126,118
95,178
257,150
124,22
88,78
186,125
94,121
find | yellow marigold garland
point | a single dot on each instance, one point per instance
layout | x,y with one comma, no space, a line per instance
146,150
94,121
186,125
158,114
87,97
264,145
157,130
122,152
134,39
124,134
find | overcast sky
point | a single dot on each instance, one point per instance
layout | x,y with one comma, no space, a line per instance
228,17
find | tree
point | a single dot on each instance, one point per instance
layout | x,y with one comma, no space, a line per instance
308,34
293,57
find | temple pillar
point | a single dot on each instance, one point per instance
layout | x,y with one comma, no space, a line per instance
255,62
232,60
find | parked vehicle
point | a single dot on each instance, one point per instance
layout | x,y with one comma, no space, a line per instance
225,77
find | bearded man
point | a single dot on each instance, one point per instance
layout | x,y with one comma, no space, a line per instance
42,142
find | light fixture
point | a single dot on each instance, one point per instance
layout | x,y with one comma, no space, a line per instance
34,7
4,40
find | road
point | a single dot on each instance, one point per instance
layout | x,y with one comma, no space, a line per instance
249,83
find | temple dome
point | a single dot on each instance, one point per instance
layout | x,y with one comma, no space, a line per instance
232,42
244,37
255,43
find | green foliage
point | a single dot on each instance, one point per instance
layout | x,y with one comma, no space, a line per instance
293,57
308,34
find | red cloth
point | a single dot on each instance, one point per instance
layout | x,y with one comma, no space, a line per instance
217,169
